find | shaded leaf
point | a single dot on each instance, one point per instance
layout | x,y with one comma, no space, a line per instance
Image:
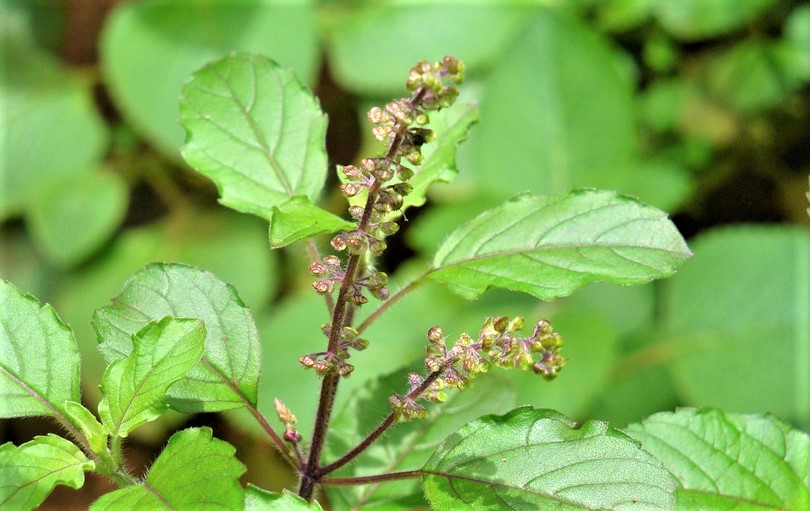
170,39
698,19
257,499
406,446
729,461
30,472
194,471
549,246
534,459
135,387
228,373
255,131
298,219
39,359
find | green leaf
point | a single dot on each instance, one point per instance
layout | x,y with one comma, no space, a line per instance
372,58
549,246
39,359
797,36
87,423
257,499
298,219
194,471
405,446
73,218
729,461
533,459
135,388
30,472
754,323
40,99
255,131
558,113
172,38
452,127
229,370
699,19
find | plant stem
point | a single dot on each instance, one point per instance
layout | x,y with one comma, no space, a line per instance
281,447
352,481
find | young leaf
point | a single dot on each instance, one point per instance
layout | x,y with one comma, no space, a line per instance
30,472
257,499
730,461
229,371
39,359
255,131
298,219
549,246
405,446
194,471
134,388
534,459
90,427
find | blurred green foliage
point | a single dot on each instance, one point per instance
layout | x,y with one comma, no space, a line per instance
699,108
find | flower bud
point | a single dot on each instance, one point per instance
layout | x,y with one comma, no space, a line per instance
375,115
317,268
350,189
435,334
339,242
352,172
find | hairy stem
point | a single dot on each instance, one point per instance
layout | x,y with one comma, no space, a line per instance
281,447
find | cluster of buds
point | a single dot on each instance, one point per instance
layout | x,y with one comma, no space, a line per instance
324,362
288,419
497,345
386,179
329,273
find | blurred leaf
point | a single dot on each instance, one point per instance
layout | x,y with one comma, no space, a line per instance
557,113
39,360
728,461
797,36
229,370
170,39
30,472
753,321
257,499
699,19
433,225
194,471
535,459
255,131
40,99
372,48
753,75
71,219
549,246
298,219
20,263
406,446
623,15
135,387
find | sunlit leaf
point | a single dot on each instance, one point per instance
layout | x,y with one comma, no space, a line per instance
194,471
30,472
255,131
228,373
135,387
549,246
299,219
728,461
257,499
39,359
533,459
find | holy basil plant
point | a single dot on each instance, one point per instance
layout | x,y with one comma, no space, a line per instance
179,338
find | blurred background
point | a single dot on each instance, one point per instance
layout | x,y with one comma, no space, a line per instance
698,107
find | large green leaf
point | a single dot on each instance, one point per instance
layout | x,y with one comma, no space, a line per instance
229,370
728,461
30,472
135,387
257,499
558,113
39,359
753,321
194,471
533,459
255,131
72,218
40,100
549,246
405,446
370,56
149,49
